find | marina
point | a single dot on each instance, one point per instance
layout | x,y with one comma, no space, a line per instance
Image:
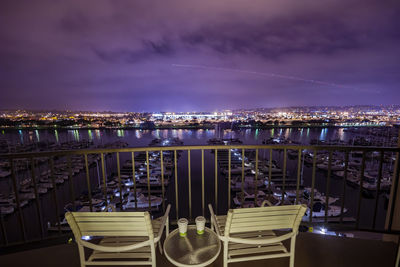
153,184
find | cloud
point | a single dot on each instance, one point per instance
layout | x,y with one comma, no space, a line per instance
56,50
148,50
284,37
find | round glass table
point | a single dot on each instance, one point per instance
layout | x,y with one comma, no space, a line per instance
193,249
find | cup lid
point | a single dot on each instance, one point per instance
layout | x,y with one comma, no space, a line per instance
200,219
183,220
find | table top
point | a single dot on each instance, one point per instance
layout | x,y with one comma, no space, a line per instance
193,249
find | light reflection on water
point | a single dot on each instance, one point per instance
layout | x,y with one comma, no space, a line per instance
76,135
56,136
174,133
189,136
98,134
120,133
287,132
138,134
180,134
21,136
90,134
37,135
156,134
341,133
165,134
322,136
199,134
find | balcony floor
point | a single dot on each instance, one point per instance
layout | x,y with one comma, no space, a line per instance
311,250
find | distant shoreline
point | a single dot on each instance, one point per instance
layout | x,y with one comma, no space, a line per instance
208,127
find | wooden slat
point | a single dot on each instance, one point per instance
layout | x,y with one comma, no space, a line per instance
110,219
265,213
273,208
115,233
254,250
260,228
264,219
233,246
113,255
108,214
254,234
107,226
123,239
115,244
282,223
111,263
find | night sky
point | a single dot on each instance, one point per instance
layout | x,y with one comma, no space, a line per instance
198,55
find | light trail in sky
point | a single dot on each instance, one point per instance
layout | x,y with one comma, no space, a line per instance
266,74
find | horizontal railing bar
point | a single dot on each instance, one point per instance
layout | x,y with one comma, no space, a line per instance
211,147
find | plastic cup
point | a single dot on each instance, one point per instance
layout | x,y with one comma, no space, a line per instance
200,224
182,225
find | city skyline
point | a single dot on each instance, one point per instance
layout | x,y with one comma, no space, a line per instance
135,56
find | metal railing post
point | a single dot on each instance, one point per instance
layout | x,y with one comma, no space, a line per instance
242,185
313,184
346,167
328,184
71,182
38,208
216,181
176,185
361,190
378,188
190,185
202,183
298,175
229,178
256,180
55,194
17,199
148,179
88,182
284,175
162,179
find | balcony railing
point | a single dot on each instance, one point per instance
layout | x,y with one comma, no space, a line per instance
209,169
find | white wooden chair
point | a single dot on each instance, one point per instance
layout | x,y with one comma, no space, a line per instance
248,233
125,238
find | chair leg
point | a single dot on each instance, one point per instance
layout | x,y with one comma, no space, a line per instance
153,255
225,254
81,255
167,227
292,249
160,247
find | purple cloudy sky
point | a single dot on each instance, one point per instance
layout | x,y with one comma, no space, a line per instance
198,55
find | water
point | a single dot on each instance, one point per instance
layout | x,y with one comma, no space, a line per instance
141,138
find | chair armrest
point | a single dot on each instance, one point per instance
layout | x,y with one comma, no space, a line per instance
164,221
266,202
214,221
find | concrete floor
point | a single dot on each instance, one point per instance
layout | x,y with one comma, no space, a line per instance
312,250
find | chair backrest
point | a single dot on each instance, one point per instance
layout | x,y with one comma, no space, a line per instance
264,218
110,224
